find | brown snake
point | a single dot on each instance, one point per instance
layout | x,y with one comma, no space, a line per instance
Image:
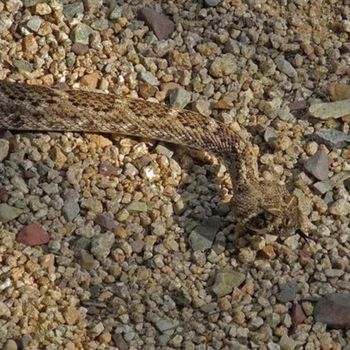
258,204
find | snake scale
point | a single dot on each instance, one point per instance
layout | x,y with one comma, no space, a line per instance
257,204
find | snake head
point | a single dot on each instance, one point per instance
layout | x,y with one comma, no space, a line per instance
265,207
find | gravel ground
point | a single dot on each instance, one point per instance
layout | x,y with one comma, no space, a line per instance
120,243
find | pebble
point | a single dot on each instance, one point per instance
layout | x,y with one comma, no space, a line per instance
179,98
73,9
33,235
222,66
161,25
285,67
106,221
82,33
8,212
341,207
10,345
226,280
333,310
331,138
4,149
318,165
288,292
101,245
297,314
166,325
212,3
137,207
203,235
328,110
34,23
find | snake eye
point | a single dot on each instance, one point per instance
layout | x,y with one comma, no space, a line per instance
260,222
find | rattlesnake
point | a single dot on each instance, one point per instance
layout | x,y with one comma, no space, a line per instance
257,204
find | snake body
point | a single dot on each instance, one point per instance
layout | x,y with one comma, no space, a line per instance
42,109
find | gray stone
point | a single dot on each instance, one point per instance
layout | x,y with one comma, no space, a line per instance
115,11
318,165
329,110
335,181
270,135
70,209
203,235
161,25
19,183
81,33
23,66
34,23
226,280
119,342
179,98
8,213
288,292
101,245
4,149
148,78
223,66
331,138
71,10
287,343
334,310
166,324
211,3
285,67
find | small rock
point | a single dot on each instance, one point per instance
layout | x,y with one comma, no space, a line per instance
70,209
106,168
33,235
71,315
331,138
42,9
298,106
119,342
90,81
341,207
10,345
101,245
93,5
288,292
318,165
87,261
226,280
165,151
137,207
8,213
179,98
202,236
166,324
223,66
100,141
106,221
148,77
71,10
23,66
270,135
297,314
328,110
115,11
285,67
212,3
181,60
81,33
34,23
334,310
80,49
335,181
339,91
287,343
161,25
4,149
